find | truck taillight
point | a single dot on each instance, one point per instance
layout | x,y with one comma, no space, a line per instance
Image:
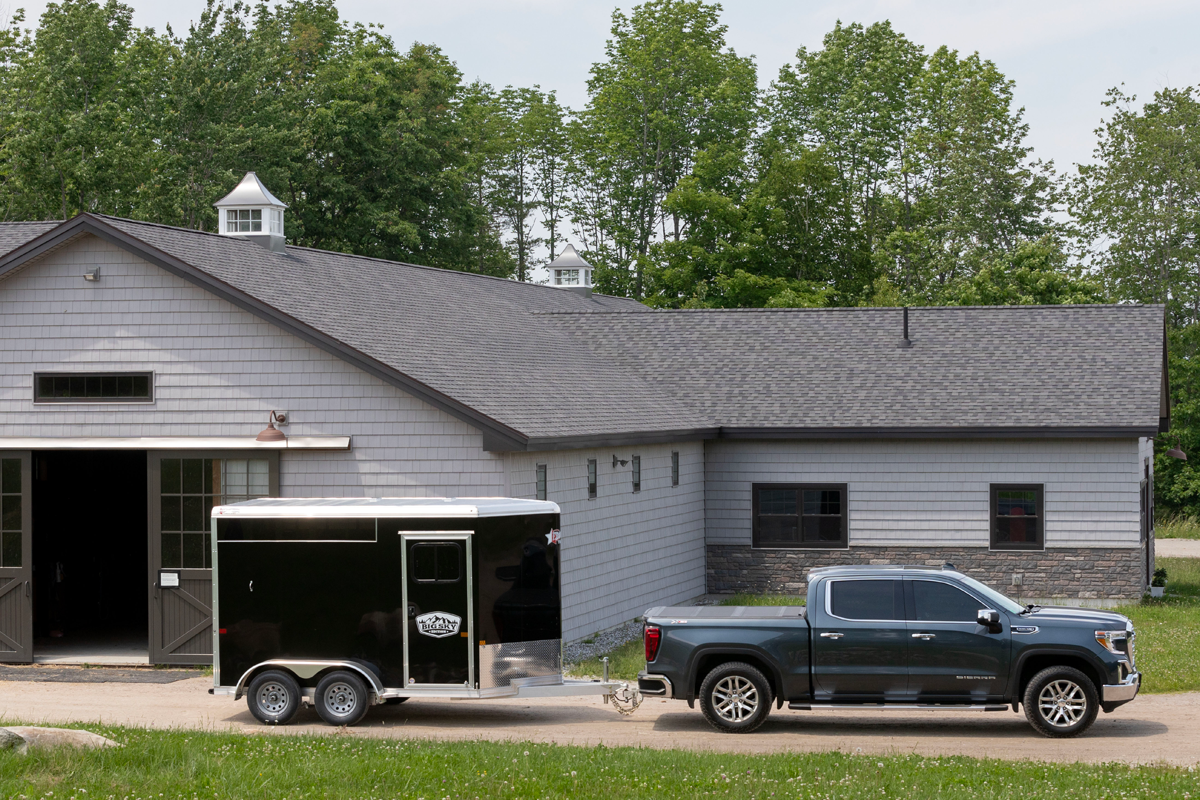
652,638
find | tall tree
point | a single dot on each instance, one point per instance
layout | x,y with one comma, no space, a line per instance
1138,203
668,88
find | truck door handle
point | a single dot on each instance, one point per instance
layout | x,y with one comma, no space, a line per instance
924,636
832,635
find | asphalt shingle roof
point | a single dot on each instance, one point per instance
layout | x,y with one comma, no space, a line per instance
550,363
968,367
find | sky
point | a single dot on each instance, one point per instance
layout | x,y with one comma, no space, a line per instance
1062,54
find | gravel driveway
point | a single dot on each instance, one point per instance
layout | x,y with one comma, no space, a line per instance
1153,728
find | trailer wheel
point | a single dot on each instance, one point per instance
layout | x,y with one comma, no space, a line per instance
273,697
735,698
342,698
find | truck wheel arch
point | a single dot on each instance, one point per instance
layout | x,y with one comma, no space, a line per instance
705,659
1033,661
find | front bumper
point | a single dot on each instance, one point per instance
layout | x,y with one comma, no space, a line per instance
1115,694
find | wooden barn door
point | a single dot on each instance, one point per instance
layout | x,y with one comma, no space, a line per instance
16,563
183,488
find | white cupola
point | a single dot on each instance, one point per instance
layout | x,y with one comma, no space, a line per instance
570,271
252,212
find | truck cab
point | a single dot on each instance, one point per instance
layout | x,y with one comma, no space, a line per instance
893,637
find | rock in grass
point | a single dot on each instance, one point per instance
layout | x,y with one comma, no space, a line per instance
51,738
11,741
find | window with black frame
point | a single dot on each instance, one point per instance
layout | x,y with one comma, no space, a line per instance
1017,517
800,515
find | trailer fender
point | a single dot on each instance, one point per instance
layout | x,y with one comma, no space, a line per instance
305,669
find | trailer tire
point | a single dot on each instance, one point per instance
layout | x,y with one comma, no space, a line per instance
342,698
735,698
273,697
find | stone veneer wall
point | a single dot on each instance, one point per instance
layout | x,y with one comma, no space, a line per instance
1067,572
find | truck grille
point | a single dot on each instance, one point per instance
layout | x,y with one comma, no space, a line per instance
1129,648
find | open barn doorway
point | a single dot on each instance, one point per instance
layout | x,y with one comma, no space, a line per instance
90,599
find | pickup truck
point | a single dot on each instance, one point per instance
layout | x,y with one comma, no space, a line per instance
892,637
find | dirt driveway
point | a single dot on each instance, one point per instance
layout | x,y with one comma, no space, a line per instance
1153,728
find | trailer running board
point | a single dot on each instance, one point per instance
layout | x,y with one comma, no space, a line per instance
894,707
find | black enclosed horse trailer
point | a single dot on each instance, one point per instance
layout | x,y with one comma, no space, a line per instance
345,603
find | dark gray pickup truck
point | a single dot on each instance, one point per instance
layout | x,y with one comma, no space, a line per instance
892,637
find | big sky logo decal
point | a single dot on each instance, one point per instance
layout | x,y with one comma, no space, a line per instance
438,624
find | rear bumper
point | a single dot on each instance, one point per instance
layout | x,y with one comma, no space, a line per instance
1115,694
655,685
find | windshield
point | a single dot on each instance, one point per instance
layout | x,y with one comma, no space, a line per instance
992,596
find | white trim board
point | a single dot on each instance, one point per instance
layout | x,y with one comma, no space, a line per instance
171,443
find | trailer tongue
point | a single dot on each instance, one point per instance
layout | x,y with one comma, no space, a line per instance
347,603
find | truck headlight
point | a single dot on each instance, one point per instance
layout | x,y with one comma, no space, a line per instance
1114,641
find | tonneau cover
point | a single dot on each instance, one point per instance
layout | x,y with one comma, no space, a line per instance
727,612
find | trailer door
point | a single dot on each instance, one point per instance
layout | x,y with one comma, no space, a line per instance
438,596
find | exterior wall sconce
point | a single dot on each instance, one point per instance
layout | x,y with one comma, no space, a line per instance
1174,452
617,461
271,433
92,275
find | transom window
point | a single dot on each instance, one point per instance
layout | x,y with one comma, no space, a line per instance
243,220
800,515
436,562
1017,517
11,515
190,487
591,465
637,473
93,387
541,482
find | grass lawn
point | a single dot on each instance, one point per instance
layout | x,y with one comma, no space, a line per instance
193,765
1177,528
1168,630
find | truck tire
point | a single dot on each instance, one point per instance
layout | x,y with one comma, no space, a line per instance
342,698
1061,702
735,698
273,697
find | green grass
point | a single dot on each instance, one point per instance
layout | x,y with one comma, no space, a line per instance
195,766
1168,630
763,600
624,663
1179,527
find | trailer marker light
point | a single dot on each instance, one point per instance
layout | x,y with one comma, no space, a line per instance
220,630
653,637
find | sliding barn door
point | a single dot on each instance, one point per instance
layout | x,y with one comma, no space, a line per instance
183,488
16,564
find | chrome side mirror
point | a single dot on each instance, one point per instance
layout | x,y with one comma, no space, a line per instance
990,619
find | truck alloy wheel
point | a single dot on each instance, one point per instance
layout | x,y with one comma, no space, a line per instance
735,698
342,698
1060,702
273,697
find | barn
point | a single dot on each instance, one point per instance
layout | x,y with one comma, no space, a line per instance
149,372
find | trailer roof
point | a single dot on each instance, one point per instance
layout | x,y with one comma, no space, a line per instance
461,507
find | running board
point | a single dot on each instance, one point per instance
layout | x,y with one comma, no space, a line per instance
892,707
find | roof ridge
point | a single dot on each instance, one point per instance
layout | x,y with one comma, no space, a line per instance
441,270
830,309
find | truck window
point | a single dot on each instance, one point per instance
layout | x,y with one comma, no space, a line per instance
940,602
867,600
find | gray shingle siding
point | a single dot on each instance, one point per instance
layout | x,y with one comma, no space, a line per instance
622,552
218,371
936,492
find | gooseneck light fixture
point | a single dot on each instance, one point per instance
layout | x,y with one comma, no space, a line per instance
271,433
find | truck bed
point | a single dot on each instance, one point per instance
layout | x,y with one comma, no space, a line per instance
673,613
